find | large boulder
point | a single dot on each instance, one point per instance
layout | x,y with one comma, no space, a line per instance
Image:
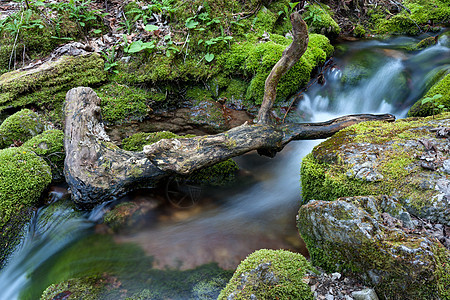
408,159
375,240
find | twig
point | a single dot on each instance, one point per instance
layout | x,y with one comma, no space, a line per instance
14,45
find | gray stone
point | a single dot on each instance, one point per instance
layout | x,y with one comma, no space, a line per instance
366,294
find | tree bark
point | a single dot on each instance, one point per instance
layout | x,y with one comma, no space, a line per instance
290,56
98,171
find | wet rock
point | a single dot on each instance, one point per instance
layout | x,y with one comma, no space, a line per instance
364,237
385,159
130,216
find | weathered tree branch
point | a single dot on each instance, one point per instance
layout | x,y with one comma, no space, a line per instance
290,56
98,171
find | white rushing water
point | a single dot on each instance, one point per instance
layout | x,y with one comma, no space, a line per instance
263,209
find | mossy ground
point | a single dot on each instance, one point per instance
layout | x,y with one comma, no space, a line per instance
270,274
422,14
36,30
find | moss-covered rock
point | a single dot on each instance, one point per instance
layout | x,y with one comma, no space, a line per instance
23,177
421,14
269,274
20,127
370,238
434,101
376,158
121,103
50,146
46,86
256,60
89,288
319,20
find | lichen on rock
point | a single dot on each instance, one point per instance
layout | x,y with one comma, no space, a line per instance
376,158
270,274
373,238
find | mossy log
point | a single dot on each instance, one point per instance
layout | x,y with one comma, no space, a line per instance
98,171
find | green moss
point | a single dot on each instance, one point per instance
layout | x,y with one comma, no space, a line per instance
258,60
219,174
121,103
442,88
359,31
270,274
425,43
23,177
422,14
442,272
20,126
320,21
50,146
47,87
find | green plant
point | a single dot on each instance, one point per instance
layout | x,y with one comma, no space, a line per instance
436,106
110,60
313,14
288,9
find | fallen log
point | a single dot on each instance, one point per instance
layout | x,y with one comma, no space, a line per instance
98,171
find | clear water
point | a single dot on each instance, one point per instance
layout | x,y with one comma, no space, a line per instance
260,213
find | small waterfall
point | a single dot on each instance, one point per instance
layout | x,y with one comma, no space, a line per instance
51,230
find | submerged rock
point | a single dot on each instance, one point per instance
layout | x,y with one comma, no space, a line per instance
403,159
371,238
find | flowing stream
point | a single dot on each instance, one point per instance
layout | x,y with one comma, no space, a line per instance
179,250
